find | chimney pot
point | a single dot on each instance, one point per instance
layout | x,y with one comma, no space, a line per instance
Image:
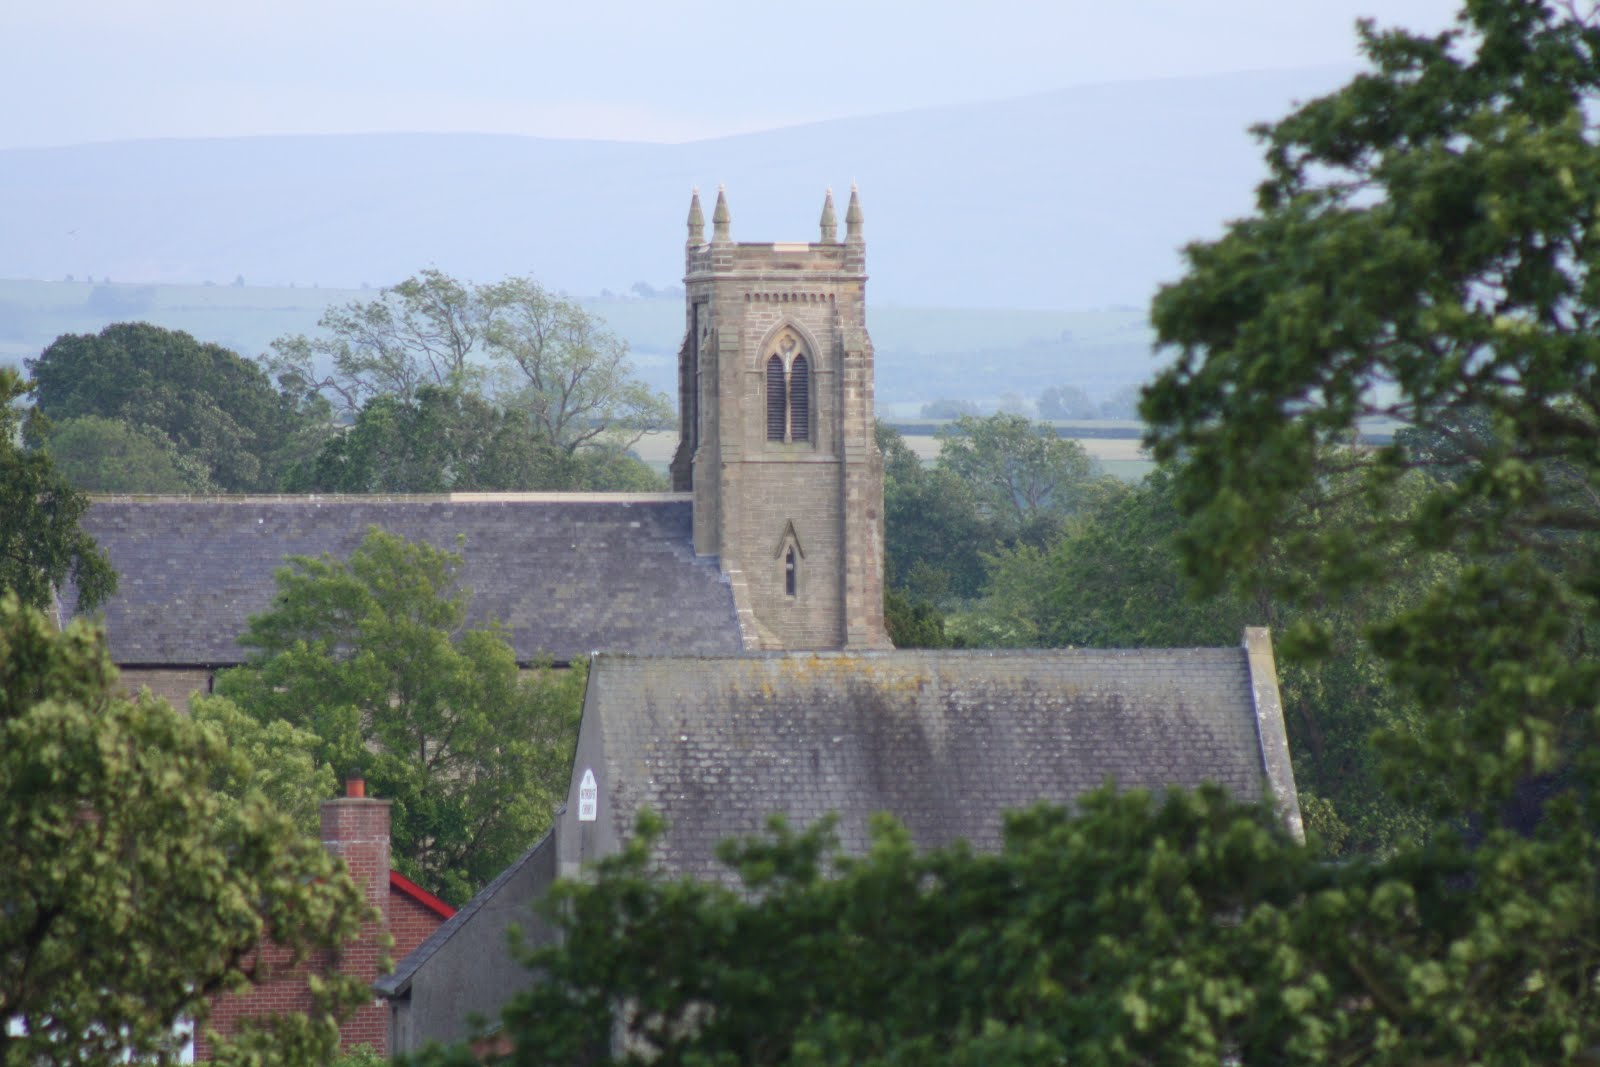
355,787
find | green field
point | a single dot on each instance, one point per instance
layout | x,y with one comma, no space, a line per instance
922,353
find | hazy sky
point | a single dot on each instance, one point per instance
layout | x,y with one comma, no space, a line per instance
93,70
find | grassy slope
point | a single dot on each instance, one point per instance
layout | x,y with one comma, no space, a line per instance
922,353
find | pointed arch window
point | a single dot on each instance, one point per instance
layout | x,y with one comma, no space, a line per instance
777,400
788,392
800,399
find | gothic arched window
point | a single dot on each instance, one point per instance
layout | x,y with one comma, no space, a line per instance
788,392
777,400
800,400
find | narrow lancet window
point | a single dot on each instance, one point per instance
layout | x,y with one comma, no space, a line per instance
789,567
777,400
800,400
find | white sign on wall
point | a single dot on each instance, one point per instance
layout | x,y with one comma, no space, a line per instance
588,797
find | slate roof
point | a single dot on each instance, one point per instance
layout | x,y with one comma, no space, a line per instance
566,575
946,741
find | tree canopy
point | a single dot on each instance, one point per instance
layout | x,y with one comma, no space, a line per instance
131,890
1425,251
372,656
531,352
1024,476
41,544
211,404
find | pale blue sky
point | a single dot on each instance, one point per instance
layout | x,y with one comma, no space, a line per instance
95,70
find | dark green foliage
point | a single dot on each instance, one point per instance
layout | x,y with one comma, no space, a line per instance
1024,478
1424,250
41,545
101,455
371,656
1178,930
445,441
917,625
131,890
934,538
211,404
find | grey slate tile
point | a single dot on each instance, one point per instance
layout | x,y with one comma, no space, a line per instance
564,577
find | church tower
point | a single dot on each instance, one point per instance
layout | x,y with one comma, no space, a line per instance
776,429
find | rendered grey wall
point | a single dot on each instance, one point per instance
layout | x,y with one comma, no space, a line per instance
471,968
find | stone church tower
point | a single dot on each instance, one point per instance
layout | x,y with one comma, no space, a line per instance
776,431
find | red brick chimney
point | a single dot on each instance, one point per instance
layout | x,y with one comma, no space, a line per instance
355,828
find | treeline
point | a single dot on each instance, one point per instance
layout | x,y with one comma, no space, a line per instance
435,386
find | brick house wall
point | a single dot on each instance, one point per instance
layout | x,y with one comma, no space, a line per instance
355,829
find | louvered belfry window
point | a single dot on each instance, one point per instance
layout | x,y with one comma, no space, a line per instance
800,400
777,400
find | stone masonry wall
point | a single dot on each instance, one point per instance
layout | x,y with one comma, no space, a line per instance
749,490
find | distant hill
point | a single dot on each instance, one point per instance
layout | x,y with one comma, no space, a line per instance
1076,199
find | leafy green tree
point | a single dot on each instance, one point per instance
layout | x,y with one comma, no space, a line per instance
213,405
934,538
1024,477
371,655
280,760
446,440
132,890
439,441
556,365
912,625
41,545
567,374
1424,250
1185,930
101,455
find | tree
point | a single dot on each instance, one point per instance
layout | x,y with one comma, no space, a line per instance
101,455
1424,251
371,656
132,891
446,441
422,331
1025,478
1183,929
214,406
439,441
572,377
934,539
41,545
1066,402
557,366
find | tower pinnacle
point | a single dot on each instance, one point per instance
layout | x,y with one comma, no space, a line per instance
697,220
852,216
830,221
720,218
